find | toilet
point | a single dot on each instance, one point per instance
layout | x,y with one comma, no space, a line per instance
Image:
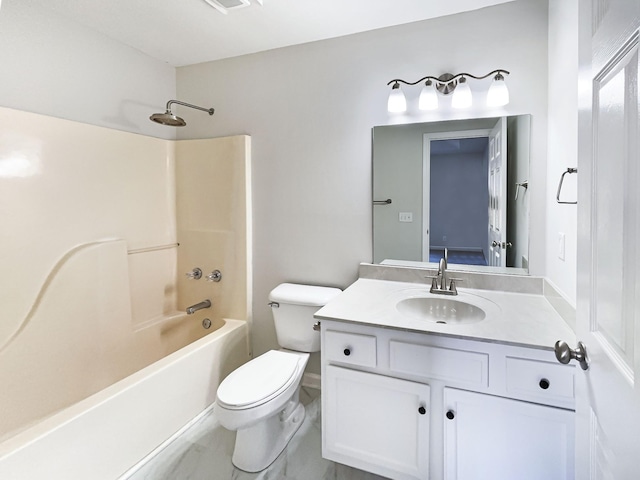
260,399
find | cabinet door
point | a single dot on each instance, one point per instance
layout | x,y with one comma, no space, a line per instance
376,423
503,439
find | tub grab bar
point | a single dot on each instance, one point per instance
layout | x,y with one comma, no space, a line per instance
152,249
569,170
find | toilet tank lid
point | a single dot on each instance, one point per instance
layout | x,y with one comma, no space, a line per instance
294,294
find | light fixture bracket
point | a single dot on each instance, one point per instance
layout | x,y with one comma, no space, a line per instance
446,83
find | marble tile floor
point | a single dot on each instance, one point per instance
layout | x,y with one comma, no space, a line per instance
203,452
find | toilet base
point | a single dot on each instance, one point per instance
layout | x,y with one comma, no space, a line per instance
258,446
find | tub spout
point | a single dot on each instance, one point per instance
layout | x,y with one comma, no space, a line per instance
198,306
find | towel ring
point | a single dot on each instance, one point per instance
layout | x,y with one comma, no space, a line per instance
569,170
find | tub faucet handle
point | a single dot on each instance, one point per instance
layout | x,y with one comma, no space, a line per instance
214,276
195,274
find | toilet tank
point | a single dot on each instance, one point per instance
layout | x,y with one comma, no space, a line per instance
293,307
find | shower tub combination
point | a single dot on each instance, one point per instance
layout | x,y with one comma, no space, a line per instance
104,435
99,361
89,394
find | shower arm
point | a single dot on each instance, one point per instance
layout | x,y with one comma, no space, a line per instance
208,110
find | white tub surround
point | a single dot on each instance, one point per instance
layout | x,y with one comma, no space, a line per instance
99,228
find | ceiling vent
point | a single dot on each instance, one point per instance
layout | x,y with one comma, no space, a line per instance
225,6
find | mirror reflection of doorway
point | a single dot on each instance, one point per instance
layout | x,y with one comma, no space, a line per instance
459,199
402,190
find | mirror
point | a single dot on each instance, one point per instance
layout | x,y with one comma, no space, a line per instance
460,185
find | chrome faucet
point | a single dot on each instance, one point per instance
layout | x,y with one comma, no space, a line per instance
443,288
442,273
198,306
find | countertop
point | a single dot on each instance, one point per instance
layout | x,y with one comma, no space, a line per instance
512,318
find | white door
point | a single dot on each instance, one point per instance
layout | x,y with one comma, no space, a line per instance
487,437
498,194
608,393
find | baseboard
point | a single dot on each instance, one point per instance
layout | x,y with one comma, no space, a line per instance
311,380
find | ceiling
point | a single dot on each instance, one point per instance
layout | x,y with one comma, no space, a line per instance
184,32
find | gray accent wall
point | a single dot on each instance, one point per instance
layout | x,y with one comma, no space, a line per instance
459,214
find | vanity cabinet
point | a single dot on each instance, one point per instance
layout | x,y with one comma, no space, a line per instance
410,406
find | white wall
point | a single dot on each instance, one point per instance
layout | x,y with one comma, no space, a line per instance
53,66
563,144
310,109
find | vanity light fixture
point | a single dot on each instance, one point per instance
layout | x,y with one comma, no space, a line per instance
448,84
396,103
498,94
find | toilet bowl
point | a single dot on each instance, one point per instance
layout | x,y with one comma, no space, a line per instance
260,399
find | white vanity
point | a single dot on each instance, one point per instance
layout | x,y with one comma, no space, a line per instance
406,397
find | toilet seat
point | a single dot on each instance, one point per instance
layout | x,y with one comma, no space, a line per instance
259,380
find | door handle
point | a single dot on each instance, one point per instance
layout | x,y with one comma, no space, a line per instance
565,354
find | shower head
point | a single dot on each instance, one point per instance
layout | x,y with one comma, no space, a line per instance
168,118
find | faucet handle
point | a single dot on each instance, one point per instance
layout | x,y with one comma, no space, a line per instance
194,274
214,276
434,284
452,285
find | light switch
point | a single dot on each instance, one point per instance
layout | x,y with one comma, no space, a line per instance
405,216
561,246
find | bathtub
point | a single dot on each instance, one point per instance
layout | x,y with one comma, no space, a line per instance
104,435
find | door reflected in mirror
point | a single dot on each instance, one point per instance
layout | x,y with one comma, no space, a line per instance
460,185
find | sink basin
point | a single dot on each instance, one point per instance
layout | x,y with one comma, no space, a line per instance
441,310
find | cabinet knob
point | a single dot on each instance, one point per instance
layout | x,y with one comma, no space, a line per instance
544,384
422,410
451,415
347,351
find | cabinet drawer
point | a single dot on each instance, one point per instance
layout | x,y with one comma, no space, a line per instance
455,366
350,348
540,381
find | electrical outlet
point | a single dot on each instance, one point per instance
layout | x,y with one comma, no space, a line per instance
561,246
405,216
444,238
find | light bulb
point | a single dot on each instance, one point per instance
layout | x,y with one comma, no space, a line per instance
498,94
428,97
396,103
462,97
